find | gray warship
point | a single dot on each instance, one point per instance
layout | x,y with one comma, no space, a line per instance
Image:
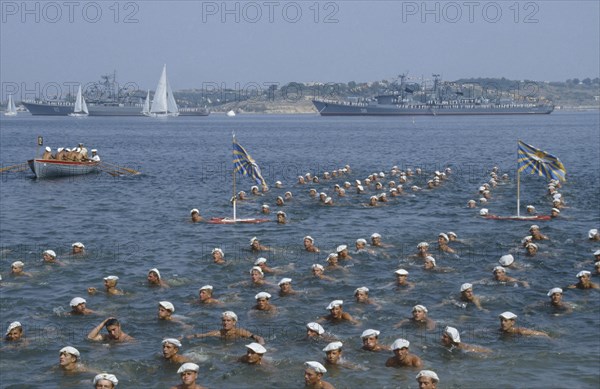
440,100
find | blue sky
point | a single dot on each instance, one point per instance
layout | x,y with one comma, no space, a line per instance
223,43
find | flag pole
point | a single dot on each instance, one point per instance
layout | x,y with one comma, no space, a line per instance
234,198
518,185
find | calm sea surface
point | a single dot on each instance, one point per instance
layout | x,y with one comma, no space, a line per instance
131,224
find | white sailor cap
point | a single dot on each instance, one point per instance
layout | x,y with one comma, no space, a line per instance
258,269
528,238
230,314
328,200
483,211
375,235
341,248
12,326
361,289
583,273
534,227
265,206
499,268
70,350
556,196
373,197
361,240
106,376
281,213
254,187
466,286
173,341
335,303
471,202
597,252
257,348
483,200
259,261
481,188
17,264
285,281
360,188
111,278
76,301
68,149
422,244
451,233
167,305
381,174
506,260
48,148
593,232
94,151
195,210
262,295
317,266
323,194
414,187
401,272
535,246
216,249
154,270
253,239
508,315
330,256
309,238
315,327
370,332
530,207
554,290
556,210
188,366
78,244
278,183
316,366
60,149
444,236
333,346
400,343
50,253
431,259
453,333
206,287
420,307
428,373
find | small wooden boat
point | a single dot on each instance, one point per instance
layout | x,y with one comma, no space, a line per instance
48,168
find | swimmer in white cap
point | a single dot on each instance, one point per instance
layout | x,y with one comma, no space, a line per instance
342,252
254,354
189,374
256,246
14,332
170,351
77,248
113,329
507,326
370,341
313,374
360,245
423,250
78,307
229,330
471,204
262,263
594,234
285,287
16,269
536,234
337,314
218,256
318,271
585,281
279,201
451,340
419,319
333,355
281,217
110,285
68,360
333,263
531,249
263,303
556,303
427,379
165,310
205,295
443,241
265,209
49,256
554,213
500,276
466,295
309,244
154,278
195,216
402,280
402,357
105,381
361,296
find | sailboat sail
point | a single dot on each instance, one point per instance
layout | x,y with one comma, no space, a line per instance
146,108
80,108
11,110
164,103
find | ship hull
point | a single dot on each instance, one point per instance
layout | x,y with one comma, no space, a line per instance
64,109
47,168
326,108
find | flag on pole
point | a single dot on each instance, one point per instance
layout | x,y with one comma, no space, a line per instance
244,164
539,162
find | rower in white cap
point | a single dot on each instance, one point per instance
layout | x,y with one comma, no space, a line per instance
229,330
402,357
47,153
313,374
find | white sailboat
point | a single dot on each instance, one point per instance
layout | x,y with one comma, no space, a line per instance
164,104
80,109
146,108
231,113
11,110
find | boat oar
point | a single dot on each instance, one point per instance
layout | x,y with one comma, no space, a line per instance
110,171
18,167
117,167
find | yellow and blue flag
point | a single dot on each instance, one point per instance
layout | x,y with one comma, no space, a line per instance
539,162
244,164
